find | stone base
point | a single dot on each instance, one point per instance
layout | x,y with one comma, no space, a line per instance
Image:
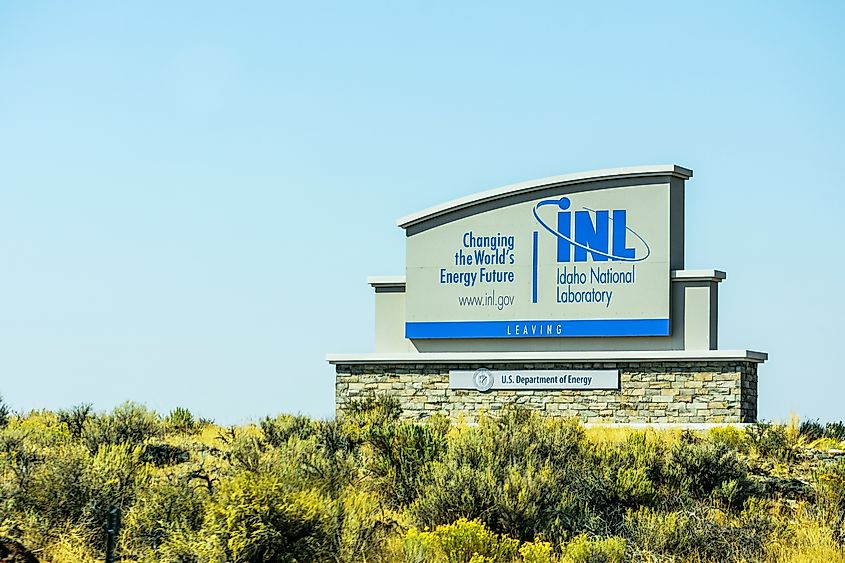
720,391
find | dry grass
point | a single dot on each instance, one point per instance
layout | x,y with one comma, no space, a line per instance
808,542
615,434
70,547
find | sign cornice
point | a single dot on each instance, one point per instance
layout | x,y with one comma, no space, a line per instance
629,172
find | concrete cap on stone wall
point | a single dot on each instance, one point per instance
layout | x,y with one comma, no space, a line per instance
549,357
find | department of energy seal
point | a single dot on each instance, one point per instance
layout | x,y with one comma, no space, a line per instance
483,379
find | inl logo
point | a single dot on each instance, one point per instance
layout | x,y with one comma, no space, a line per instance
600,234
591,232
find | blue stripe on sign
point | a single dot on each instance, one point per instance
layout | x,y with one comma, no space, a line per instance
538,328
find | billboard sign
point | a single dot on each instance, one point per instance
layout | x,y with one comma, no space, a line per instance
573,263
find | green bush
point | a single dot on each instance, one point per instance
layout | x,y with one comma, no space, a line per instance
455,488
182,421
112,479
400,454
337,437
830,495
71,488
163,454
360,528
329,471
731,436
537,552
697,468
373,409
5,413
279,430
245,451
696,532
835,430
129,423
258,518
811,430
75,418
631,471
463,541
519,474
19,454
57,489
584,549
771,441
167,505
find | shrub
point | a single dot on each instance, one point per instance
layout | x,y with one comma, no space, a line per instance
5,413
164,454
537,552
334,437
530,502
113,478
279,430
341,490
360,529
807,540
73,545
731,436
373,409
463,541
584,549
75,418
129,423
256,517
771,440
400,453
697,468
246,450
811,430
697,532
18,455
455,487
73,488
520,475
56,489
167,505
303,464
835,430
830,495
182,421
631,471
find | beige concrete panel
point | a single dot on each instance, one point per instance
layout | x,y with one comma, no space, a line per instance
390,323
697,329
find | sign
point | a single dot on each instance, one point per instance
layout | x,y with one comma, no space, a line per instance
485,380
586,263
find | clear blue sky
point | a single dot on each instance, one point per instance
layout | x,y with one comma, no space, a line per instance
193,193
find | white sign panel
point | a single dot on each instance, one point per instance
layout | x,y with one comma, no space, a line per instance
593,263
486,380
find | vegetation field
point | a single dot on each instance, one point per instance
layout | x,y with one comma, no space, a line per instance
368,487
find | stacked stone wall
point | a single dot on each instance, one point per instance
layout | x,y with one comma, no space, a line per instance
650,392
